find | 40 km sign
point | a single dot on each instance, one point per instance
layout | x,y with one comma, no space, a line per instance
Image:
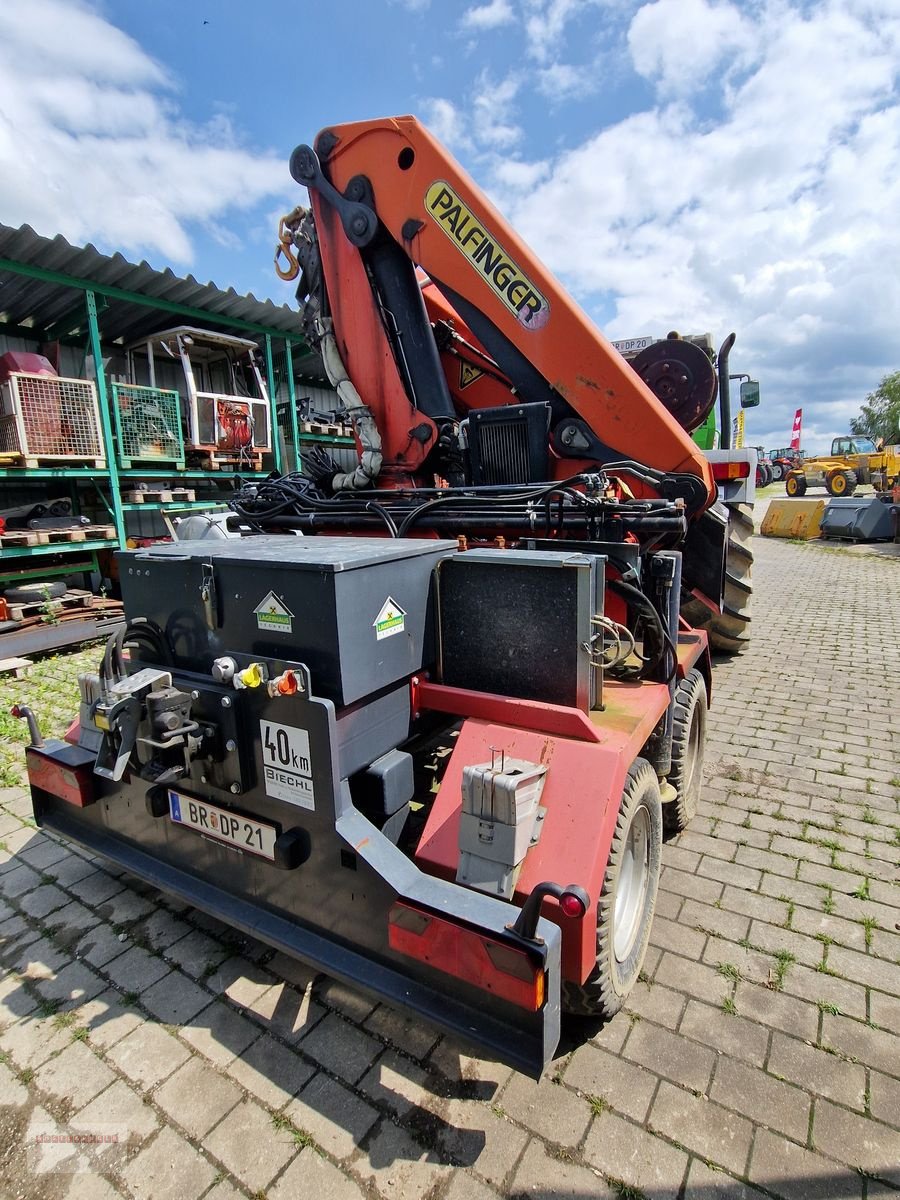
287,765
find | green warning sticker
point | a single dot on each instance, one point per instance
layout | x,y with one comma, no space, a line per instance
391,619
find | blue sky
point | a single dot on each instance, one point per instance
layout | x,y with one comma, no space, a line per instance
680,164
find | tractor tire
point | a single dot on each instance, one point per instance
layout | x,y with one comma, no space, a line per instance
841,483
729,631
34,593
688,741
795,485
777,472
627,899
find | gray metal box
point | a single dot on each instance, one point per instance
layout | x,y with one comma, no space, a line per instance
356,611
519,623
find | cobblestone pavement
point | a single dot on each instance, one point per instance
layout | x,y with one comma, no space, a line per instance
760,1051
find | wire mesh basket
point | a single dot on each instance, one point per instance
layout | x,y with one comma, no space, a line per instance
148,424
50,418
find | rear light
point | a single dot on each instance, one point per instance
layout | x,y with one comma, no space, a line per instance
730,470
468,954
572,905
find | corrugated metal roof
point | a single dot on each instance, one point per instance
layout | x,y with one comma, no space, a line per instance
41,304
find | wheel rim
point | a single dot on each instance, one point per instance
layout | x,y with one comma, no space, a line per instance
633,885
692,755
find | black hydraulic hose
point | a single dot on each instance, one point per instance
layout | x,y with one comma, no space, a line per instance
643,601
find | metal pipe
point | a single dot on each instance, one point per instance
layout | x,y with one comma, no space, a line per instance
724,393
23,711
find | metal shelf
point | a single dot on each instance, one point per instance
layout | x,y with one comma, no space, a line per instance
24,474
134,473
57,548
174,504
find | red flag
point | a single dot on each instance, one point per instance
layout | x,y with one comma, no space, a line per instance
795,432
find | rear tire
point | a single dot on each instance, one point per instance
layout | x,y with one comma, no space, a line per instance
688,741
841,483
729,631
777,472
627,901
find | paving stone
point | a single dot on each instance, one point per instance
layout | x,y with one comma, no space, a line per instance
243,982
397,1084
670,1056
76,1075
69,869
175,999
626,1087
772,939
413,1036
733,874
94,889
169,1169
885,1098
790,1171
43,900
849,998
148,1054
106,1019
12,1093
787,1013
711,1131
671,935
871,1046
464,1187
341,1047
125,906
729,1033
69,922
71,986
399,1167
695,979
294,1013
291,970
346,1000
692,886
752,965
333,1116
100,946
196,1097
864,968
38,960
31,1042
219,1033
197,954
120,1112
135,970
822,1074
626,1152
765,1100
703,1183
569,1180
161,929
885,1011
719,921
857,1141
252,1150
657,1003
461,1075
270,1071
312,1175
49,1153
18,880
15,1001
547,1109
472,1134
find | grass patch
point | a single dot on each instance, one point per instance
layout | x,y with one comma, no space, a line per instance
868,816
862,892
64,1020
791,909
783,960
48,1008
869,924
825,1006
80,1034
26,1075
729,1006
597,1104
130,998
625,1190
730,971
828,904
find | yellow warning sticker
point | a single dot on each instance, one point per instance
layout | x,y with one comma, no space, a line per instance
468,374
487,256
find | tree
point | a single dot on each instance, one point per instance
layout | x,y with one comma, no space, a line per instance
879,415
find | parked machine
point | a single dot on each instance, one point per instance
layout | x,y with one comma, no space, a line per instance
853,460
687,372
784,460
426,731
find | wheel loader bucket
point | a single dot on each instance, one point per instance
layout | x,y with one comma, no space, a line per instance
793,518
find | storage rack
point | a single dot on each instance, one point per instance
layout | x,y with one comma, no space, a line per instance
83,301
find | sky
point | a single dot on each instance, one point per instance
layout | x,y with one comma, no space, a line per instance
678,164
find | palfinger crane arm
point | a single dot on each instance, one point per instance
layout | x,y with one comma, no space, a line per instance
387,198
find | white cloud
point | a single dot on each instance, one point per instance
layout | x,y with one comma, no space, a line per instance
488,16
680,43
92,146
776,218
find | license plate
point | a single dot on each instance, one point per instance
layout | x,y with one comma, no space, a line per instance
234,829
